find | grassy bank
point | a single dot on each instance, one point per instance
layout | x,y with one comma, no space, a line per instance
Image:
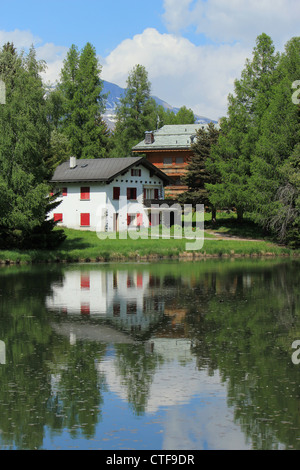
86,246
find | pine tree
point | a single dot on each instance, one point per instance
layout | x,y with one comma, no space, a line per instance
83,103
136,113
168,117
198,174
241,128
24,146
275,166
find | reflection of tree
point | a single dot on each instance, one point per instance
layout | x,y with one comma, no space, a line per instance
242,334
24,380
34,357
241,318
136,368
76,398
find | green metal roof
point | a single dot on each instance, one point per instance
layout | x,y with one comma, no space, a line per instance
170,137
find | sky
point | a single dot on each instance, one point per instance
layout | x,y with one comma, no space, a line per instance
193,50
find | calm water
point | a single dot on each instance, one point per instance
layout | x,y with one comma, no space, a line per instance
179,356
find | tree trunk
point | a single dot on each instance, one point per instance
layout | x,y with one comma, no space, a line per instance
240,213
213,215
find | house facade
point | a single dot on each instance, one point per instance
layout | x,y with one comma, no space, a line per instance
169,149
107,194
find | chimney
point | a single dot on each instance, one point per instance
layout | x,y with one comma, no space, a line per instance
73,162
149,137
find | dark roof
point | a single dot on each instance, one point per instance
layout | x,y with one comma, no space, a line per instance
101,169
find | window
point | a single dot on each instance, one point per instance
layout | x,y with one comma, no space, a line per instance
179,160
116,309
85,281
85,309
130,282
131,308
64,191
58,217
139,280
116,193
136,172
85,220
131,193
130,219
151,193
168,160
85,193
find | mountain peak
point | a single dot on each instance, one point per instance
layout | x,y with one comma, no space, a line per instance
115,92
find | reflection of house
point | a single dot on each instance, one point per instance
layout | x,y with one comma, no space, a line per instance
169,149
125,298
106,194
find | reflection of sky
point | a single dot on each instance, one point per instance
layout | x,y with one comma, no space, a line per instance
186,410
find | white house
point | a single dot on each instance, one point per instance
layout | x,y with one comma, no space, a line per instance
106,194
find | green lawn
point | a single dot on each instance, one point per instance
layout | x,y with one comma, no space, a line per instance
87,246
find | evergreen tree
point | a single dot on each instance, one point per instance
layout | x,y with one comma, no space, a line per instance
24,146
136,113
82,103
198,175
168,117
275,166
241,128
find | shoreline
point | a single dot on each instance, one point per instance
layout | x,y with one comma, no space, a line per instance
184,256
86,247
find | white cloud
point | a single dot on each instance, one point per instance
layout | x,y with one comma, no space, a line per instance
242,20
199,77
53,56
20,39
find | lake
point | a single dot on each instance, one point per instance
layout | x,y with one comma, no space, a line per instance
171,355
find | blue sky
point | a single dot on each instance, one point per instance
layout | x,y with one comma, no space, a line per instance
104,23
193,50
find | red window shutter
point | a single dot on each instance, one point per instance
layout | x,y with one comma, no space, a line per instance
85,193
65,191
156,193
139,219
131,193
116,193
58,217
139,280
51,193
85,281
85,309
128,219
85,220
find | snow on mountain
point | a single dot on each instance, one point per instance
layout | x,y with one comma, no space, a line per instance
115,92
